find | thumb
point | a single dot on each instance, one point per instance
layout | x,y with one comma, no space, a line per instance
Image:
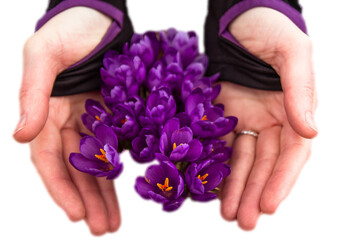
297,80
39,73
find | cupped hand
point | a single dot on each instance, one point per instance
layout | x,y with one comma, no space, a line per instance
52,124
264,169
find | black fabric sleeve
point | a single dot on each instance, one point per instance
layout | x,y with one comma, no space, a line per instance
86,76
234,63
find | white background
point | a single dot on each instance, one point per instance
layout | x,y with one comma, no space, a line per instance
311,210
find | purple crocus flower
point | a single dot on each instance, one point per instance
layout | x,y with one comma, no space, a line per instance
155,75
95,114
121,70
207,121
215,149
134,105
125,124
160,106
98,155
145,145
186,43
145,46
115,95
162,183
178,144
192,82
204,177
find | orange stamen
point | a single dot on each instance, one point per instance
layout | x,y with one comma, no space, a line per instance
98,118
124,120
204,118
102,157
174,146
165,186
202,178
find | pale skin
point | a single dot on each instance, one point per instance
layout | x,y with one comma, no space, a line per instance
264,169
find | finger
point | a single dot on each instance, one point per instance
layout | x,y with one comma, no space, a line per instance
294,152
48,159
297,80
110,199
267,151
39,73
96,212
241,164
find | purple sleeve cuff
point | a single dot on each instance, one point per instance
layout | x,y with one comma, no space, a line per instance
241,7
111,11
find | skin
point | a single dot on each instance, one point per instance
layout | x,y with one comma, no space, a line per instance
264,169
52,124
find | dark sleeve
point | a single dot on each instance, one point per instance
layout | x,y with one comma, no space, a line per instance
228,57
84,75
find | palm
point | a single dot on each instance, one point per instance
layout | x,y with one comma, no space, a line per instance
265,168
80,195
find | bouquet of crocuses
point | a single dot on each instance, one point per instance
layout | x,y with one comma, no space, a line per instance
159,106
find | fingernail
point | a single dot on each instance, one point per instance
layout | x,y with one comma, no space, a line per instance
21,124
310,121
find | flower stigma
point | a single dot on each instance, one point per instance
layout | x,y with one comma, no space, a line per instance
202,178
98,118
165,186
124,121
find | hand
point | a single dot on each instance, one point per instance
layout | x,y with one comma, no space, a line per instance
53,124
264,169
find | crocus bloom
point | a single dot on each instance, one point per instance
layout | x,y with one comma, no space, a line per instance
215,149
115,95
209,90
186,43
121,70
95,114
204,177
145,46
155,75
207,121
125,124
145,145
178,143
98,155
163,184
160,106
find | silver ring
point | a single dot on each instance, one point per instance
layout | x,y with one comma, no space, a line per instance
248,132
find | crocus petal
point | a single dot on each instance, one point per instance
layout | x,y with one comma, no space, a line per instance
115,172
88,120
194,151
155,174
92,167
111,154
183,135
93,107
106,135
208,196
170,126
204,129
173,205
224,126
142,187
89,147
157,197
179,153
216,172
